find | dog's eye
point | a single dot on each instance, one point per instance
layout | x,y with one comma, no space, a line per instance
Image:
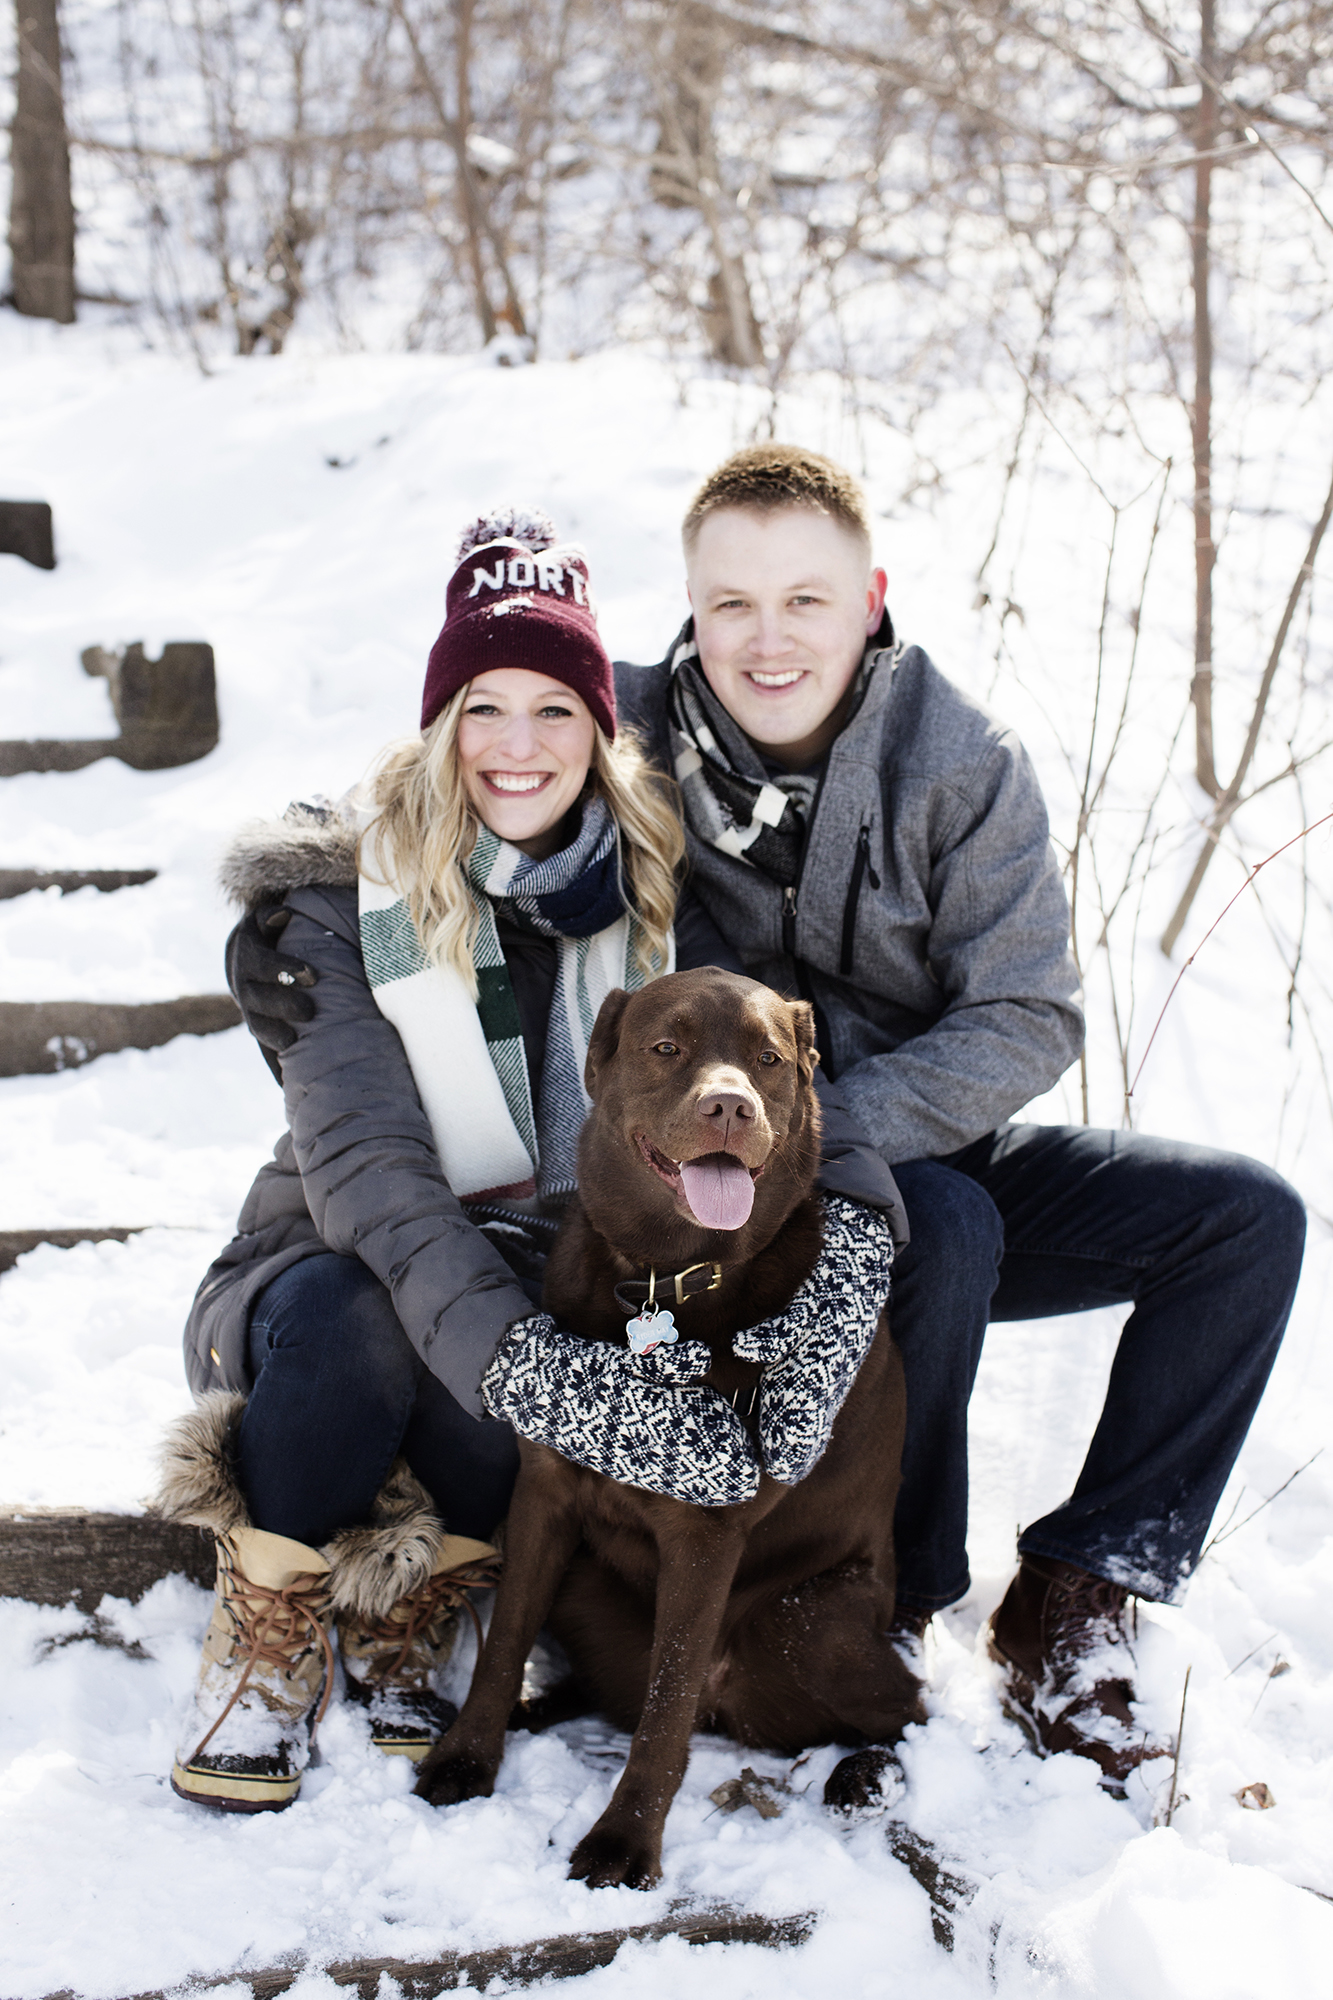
665,1049
769,1057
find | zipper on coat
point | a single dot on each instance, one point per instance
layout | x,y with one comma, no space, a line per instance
789,920
861,867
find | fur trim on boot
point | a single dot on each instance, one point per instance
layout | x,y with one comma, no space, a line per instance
392,1555
198,1473
375,1565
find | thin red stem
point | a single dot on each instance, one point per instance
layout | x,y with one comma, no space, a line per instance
1208,933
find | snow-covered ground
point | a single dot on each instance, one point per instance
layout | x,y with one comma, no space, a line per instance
299,514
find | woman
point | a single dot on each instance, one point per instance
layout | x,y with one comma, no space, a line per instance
465,914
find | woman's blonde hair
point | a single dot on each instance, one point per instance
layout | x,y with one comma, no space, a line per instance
432,829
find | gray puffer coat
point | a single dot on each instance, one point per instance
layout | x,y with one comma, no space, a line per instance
357,1171
928,923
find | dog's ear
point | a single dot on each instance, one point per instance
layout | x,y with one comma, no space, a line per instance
803,1027
605,1037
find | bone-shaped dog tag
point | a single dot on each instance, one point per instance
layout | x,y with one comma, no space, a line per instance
650,1329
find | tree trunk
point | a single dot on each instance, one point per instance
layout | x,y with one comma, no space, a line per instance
41,209
1205,555
686,173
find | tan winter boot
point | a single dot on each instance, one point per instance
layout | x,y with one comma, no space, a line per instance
390,1660
264,1679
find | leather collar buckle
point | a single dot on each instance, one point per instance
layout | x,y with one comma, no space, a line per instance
633,1293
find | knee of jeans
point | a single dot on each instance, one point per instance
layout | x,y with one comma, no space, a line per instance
1276,1213
956,1228
335,1302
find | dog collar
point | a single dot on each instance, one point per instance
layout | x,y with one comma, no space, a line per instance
681,1285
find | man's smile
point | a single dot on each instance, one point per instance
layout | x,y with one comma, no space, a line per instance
783,677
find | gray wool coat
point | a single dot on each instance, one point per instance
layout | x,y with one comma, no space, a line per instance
357,1172
928,925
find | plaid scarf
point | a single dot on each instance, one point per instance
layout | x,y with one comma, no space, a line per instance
497,1138
730,800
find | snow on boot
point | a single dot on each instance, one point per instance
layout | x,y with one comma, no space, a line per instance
390,1661
264,1679
1068,1671
267,1666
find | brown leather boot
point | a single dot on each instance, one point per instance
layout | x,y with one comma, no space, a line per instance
1060,1637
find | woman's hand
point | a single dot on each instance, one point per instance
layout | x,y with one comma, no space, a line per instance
270,988
648,1421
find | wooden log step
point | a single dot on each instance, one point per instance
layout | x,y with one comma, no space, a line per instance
563,1957
54,754
18,881
16,1243
41,1037
167,710
62,1555
26,530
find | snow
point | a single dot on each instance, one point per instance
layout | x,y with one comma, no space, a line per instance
300,514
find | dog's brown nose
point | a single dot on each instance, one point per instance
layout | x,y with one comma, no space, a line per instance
722,1106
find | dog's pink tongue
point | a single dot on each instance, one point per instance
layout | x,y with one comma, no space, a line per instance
719,1190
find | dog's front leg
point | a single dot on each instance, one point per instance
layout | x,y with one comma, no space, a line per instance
540,1538
697,1562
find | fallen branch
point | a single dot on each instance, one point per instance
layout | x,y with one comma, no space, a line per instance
523,1965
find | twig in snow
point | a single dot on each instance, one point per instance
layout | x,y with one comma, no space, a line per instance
1225,1534
1275,1672
1180,1737
1249,1656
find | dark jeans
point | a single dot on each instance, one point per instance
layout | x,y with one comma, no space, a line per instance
339,1392
1035,1220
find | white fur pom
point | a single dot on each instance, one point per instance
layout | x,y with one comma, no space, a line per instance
529,525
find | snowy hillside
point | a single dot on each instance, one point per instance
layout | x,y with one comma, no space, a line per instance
299,514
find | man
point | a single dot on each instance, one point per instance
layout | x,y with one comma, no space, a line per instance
868,837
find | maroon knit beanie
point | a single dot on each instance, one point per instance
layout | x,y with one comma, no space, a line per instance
516,600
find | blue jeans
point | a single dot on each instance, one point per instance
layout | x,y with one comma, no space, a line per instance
339,1391
1035,1220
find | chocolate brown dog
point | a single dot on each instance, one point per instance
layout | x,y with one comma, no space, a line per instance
765,1621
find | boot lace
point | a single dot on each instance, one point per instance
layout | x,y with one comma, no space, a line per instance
274,1627
419,1609
1082,1612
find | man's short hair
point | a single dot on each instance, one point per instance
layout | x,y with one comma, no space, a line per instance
765,477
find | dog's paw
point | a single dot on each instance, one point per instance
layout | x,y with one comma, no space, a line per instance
868,1781
448,1780
605,1859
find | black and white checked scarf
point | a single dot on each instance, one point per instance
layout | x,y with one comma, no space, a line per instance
730,800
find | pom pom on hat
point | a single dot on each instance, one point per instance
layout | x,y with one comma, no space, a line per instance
529,525
516,599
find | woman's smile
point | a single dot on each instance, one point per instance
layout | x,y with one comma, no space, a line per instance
511,718
516,781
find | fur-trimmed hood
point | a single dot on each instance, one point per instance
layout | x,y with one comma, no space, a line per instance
313,845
